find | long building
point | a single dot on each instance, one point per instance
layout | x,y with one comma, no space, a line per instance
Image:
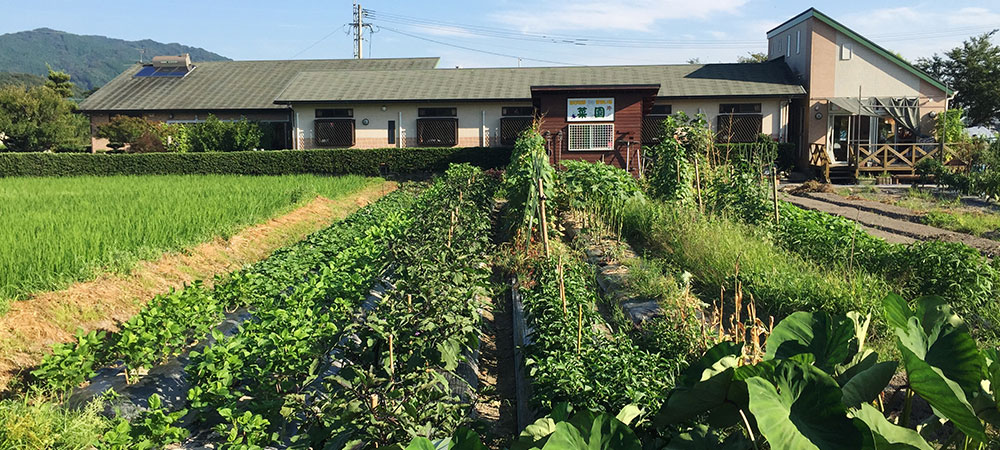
845,102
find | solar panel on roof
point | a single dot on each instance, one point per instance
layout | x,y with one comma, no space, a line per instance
162,72
145,71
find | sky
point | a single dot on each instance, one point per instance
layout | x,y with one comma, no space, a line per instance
503,32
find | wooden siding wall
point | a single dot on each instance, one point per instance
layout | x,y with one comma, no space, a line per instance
630,106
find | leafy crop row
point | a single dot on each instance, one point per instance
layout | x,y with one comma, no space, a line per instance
402,374
171,323
952,270
572,358
257,381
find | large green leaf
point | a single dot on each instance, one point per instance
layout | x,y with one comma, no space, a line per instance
865,386
702,437
941,359
466,439
832,340
801,410
704,386
881,434
584,431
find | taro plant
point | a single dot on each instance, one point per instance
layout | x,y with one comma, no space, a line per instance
816,383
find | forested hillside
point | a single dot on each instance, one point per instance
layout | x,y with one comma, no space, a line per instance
91,60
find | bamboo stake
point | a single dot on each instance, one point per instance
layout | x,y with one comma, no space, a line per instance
697,185
409,302
562,286
392,368
545,226
579,330
774,192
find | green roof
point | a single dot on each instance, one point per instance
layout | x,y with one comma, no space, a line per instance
679,81
815,13
222,85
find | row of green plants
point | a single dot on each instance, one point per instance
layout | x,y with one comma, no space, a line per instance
814,383
139,135
573,356
173,322
954,271
254,385
371,162
403,375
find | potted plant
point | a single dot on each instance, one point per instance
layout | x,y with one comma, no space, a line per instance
866,179
884,178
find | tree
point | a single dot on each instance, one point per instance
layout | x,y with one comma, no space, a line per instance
752,57
59,81
973,71
39,119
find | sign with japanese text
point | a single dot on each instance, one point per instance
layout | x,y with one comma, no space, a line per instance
590,110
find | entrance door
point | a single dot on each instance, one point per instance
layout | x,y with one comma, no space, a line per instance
841,138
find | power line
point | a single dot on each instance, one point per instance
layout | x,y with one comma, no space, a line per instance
505,33
476,49
317,42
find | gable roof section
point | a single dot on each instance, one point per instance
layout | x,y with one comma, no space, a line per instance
220,85
679,81
815,13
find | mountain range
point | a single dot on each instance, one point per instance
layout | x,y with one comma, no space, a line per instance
91,61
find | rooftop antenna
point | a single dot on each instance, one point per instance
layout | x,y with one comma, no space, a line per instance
142,52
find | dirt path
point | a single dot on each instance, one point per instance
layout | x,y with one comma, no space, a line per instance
31,326
893,223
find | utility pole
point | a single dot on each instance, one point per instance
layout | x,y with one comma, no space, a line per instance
359,27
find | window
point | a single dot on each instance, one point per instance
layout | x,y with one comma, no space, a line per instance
652,124
739,108
345,113
392,131
517,111
845,51
739,122
437,132
798,41
788,45
334,132
515,120
591,136
437,112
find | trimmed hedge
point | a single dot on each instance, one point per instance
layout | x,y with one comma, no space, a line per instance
269,162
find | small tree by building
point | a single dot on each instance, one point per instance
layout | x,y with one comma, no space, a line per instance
39,119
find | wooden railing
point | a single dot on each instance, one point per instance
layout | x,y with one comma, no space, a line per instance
819,158
892,157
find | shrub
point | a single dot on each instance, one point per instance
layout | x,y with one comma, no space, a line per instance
39,119
280,162
216,135
671,171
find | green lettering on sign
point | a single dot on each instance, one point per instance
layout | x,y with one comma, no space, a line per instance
599,111
581,111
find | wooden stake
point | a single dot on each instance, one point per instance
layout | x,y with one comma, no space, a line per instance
774,192
451,230
562,286
545,225
392,369
579,330
409,302
697,185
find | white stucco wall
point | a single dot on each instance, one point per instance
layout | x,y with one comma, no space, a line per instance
471,132
774,120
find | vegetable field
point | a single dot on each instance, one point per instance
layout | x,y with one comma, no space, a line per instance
54,231
669,312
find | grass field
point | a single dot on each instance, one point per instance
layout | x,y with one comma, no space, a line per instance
54,231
